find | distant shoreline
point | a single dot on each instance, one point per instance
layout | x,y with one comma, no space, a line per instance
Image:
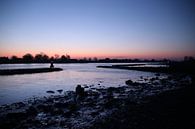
28,71
174,67
146,69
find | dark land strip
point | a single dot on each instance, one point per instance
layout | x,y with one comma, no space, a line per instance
174,67
28,71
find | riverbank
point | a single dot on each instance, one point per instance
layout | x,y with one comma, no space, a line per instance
146,69
28,71
174,67
150,103
168,110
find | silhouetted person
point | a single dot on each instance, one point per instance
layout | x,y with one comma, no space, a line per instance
51,65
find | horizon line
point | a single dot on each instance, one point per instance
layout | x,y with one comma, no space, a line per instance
110,57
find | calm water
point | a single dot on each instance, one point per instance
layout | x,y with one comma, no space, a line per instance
17,88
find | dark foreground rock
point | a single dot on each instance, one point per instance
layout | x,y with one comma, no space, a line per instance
163,103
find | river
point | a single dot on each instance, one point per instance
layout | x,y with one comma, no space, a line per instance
15,88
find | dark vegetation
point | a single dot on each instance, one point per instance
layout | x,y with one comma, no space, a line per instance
43,58
38,58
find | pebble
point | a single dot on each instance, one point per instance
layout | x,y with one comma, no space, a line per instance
50,92
59,91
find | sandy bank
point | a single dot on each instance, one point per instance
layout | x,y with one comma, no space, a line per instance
28,71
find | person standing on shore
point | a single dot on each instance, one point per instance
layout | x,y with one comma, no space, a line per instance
51,65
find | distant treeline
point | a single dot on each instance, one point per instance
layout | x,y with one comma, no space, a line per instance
43,58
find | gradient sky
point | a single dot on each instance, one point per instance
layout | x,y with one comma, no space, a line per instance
98,28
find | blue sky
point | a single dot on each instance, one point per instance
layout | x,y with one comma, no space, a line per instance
101,28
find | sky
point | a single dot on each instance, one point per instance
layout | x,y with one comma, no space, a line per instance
98,28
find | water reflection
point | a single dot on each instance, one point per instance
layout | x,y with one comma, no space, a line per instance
19,87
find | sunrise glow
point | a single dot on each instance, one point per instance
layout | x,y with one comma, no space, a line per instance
113,29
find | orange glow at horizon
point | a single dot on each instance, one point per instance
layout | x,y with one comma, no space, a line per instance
103,54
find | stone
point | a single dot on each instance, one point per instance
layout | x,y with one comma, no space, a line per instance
80,91
60,105
16,115
44,108
157,74
59,91
131,83
50,91
19,104
86,87
31,111
56,111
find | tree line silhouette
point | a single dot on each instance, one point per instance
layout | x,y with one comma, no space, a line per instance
38,58
43,58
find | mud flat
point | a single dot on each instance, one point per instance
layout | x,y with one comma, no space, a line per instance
28,71
157,102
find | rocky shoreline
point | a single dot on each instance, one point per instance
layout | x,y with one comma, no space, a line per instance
99,108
